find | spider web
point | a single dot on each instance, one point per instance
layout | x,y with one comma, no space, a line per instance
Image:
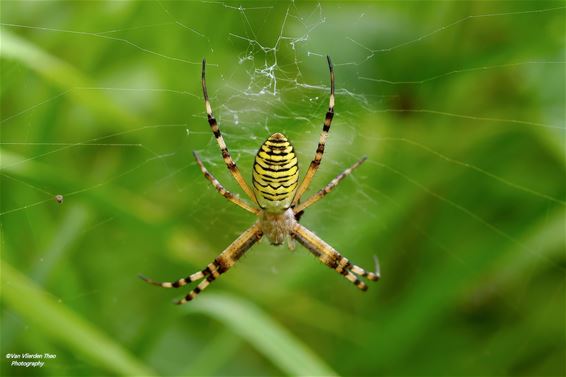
260,82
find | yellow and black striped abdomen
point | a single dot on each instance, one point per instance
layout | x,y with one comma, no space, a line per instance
275,174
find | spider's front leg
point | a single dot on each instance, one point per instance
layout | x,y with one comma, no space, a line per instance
315,163
230,164
220,265
330,257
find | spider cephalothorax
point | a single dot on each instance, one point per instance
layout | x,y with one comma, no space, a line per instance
277,194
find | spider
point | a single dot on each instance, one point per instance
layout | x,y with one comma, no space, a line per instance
276,196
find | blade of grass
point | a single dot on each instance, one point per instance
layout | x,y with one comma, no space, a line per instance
63,325
69,233
264,334
217,353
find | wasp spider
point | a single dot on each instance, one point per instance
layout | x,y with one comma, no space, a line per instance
276,195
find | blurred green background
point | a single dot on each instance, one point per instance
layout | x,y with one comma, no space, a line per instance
458,105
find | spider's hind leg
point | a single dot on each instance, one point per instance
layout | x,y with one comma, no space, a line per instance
333,259
203,284
373,276
209,274
177,283
221,264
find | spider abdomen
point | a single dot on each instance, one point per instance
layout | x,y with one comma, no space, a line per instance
275,174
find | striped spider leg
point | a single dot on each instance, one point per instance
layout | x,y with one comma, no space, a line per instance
333,259
299,208
230,164
220,265
315,163
221,190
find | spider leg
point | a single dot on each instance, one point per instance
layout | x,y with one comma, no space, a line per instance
230,164
330,257
373,276
177,283
220,265
315,163
328,188
225,193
